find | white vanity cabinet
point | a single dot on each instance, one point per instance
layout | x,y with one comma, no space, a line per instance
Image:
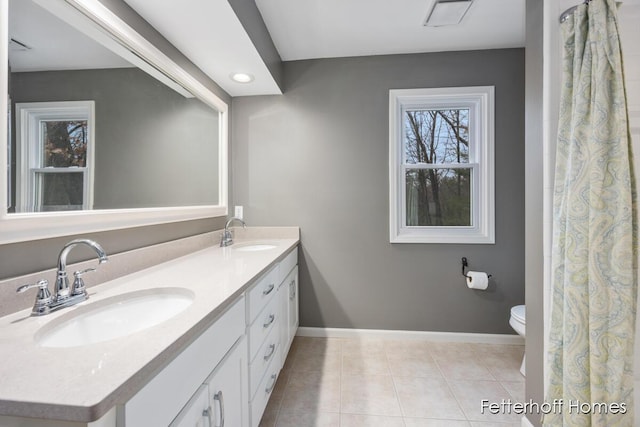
225,376
217,350
290,311
263,329
221,401
288,300
228,400
196,412
268,326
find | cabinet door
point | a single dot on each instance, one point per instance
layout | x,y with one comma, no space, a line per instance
283,299
228,389
293,314
196,413
288,295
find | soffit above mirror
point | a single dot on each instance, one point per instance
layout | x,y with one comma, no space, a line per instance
211,35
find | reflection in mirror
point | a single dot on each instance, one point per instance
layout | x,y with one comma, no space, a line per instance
88,130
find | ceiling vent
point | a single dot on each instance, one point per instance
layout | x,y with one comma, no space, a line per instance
447,12
16,45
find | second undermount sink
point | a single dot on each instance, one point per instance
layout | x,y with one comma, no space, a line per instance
253,247
114,317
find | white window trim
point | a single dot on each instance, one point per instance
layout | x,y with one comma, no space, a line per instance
480,100
28,117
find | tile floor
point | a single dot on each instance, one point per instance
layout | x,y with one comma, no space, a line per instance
331,382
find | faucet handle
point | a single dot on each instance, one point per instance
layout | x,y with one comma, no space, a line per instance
78,274
78,287
42,284
43,298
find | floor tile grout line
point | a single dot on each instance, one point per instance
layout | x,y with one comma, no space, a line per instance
395,388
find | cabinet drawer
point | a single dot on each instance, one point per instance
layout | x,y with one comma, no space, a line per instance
261,293
164,396
287,264
263,393
265,322
267,352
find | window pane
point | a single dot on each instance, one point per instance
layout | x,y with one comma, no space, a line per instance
59,191
438,197
436,136
64,143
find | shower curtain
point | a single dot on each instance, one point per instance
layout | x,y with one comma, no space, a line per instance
594,259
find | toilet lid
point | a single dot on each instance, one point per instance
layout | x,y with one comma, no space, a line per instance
518,312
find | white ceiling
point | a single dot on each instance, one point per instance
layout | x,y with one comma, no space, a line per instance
209,33
335,28
55,45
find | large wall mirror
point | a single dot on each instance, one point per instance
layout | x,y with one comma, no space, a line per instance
103,131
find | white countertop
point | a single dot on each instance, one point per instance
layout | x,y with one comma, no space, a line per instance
83,383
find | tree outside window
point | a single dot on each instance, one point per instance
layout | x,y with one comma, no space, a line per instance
437,194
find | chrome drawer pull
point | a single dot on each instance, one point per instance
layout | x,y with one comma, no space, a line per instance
218,396
292,287
272,317
272,349
269,289
269,389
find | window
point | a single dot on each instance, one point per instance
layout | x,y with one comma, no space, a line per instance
55,154
441,173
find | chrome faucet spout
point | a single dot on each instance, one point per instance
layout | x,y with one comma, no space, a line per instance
227,238
61,289
226,226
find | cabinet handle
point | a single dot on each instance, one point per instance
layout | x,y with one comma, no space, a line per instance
218,396
269,289
207,413
269,389
268,323
292,288
272,349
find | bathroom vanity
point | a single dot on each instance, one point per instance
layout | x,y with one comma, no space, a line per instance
217,359
195,340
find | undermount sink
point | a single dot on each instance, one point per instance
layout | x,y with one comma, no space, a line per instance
114,317
253,247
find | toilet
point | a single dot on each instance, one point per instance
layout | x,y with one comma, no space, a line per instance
517,322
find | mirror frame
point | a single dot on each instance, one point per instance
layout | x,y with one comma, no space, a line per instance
104,24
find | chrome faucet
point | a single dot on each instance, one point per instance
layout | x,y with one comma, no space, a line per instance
227,235
63,294
61,290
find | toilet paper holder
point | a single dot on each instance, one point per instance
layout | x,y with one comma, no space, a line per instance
465,264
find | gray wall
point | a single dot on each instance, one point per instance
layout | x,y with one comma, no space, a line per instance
317,157
147,136
22,258
534,266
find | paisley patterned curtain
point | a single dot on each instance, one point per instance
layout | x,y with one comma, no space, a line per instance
594,259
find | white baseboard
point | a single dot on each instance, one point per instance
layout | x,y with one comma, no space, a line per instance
526,422
410,335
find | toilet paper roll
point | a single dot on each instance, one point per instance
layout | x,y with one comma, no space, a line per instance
477,280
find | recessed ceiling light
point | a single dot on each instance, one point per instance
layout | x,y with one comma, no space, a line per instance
242,77
447,12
